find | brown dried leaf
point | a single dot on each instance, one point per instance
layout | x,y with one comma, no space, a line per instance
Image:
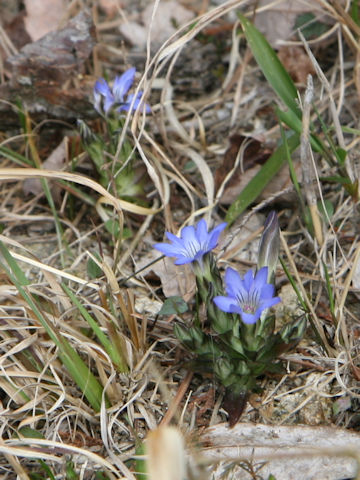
55,161
255,155
296,62
175,280
276,23
168,17
43,17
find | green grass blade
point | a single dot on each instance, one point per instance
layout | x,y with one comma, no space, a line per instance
303,304
271,66
13,265
116,356
15,157
261,179
330,293
293,175
293,284
294,122
78,370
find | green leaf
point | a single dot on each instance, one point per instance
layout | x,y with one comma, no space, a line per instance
16,270
47,470
271,66
354,11
261,179
15,157
79,371
93,269
292,121
330,293
112,226
28,432
116,356
341,155
174,306
70,473
309,26
141,472
336,179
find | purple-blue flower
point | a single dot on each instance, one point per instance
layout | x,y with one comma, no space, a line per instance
105,97
193,243
248,296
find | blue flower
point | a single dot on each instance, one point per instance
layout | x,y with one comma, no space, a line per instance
248,296
105,97
193,244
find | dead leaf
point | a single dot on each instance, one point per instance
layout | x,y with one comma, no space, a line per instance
175,280
299,445
296,62
255,155
169,16
55,161
43,17
277,22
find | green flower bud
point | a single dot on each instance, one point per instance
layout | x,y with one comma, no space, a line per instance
223,369
270,245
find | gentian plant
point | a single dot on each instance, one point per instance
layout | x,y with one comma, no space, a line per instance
105,98
239,342
112,103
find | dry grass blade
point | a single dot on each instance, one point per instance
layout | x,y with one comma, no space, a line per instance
24,448
308,163
119,205
330,351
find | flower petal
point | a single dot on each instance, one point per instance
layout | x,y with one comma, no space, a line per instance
122,84
202,232
191,243
250,318
97,102
267,291
136,104
215,234
101,86
248,280
261,278
108,102
233,282
102,89
167,249
139,103
183,259
270,302
176,240
227,304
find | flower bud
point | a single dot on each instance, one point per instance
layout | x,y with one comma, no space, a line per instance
270,245
223,369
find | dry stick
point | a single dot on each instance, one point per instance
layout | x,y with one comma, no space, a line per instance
307,164
176,402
